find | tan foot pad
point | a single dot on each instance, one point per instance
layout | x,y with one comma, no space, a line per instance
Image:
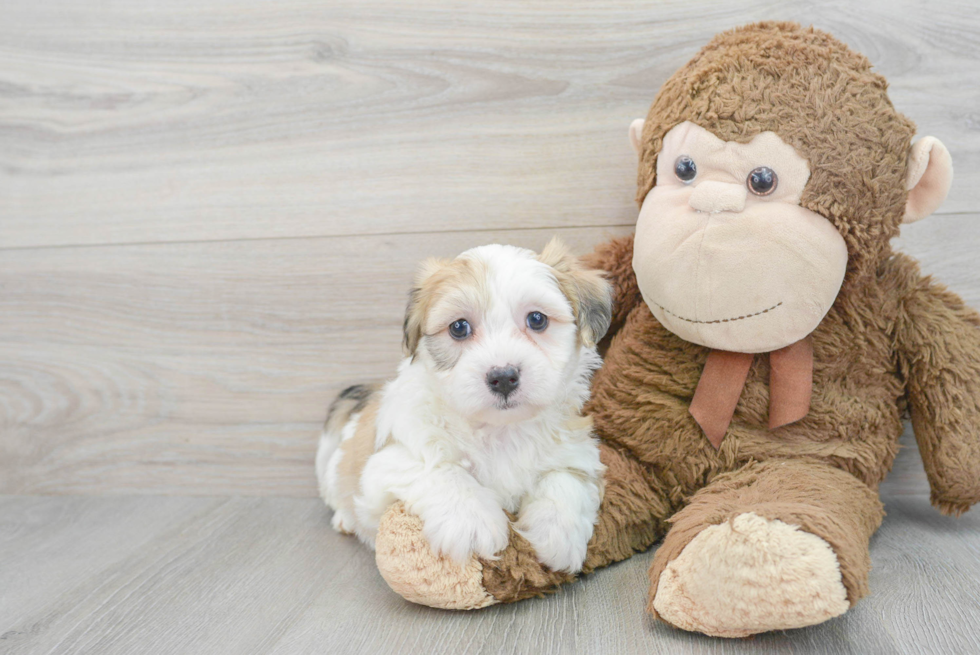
416,574
751,575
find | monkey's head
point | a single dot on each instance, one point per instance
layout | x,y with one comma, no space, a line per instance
773,170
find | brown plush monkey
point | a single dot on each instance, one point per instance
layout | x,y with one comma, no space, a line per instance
766,344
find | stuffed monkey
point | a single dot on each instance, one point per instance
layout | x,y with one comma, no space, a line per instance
766,345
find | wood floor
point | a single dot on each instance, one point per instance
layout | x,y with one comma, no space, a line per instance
209,214
170,574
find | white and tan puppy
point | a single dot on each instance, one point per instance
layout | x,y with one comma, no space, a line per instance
485,414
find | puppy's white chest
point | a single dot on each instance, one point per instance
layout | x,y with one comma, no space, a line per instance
508,463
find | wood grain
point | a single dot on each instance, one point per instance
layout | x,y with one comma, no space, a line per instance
205,368
268,575
263,179
209,214
199,368
220,575
183,121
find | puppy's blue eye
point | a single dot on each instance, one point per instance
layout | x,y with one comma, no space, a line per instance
537,321
460,329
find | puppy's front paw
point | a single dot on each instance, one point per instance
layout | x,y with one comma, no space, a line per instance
470,526
412,570
559,538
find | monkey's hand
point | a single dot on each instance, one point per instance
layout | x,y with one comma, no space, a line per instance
938,341
615,257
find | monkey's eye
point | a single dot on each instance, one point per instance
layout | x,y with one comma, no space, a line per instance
762,181
536,321
685,169
460,329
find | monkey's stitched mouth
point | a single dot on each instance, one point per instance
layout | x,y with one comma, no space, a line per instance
720,320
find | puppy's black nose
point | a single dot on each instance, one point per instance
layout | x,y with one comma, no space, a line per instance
503,381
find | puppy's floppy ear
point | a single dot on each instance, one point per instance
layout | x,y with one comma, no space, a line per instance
586,289
419,299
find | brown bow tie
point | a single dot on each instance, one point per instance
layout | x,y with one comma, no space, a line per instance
723,378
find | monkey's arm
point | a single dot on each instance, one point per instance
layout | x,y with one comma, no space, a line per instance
616,259
938,339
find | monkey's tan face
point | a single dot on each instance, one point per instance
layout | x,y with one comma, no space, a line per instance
724,254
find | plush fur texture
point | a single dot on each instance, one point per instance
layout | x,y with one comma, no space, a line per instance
721,266
894,344
819,96
447,442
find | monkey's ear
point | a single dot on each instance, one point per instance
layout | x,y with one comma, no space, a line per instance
636,134
929,178
586,289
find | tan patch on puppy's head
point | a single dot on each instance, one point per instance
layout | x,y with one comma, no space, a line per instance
420,298
435,279
587,291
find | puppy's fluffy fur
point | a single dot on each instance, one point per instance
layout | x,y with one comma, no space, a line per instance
446,441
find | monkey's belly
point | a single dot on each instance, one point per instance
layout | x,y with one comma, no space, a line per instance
641,398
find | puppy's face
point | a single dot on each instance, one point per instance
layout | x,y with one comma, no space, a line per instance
501,328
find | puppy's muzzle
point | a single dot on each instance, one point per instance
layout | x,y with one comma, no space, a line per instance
503,381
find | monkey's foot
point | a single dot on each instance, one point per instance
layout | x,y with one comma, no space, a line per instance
751,575
414,572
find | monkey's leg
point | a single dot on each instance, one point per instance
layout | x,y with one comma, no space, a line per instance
631,518
775,545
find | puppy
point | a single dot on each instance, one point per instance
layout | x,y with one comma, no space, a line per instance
485,413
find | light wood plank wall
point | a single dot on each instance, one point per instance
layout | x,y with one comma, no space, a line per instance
210,210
